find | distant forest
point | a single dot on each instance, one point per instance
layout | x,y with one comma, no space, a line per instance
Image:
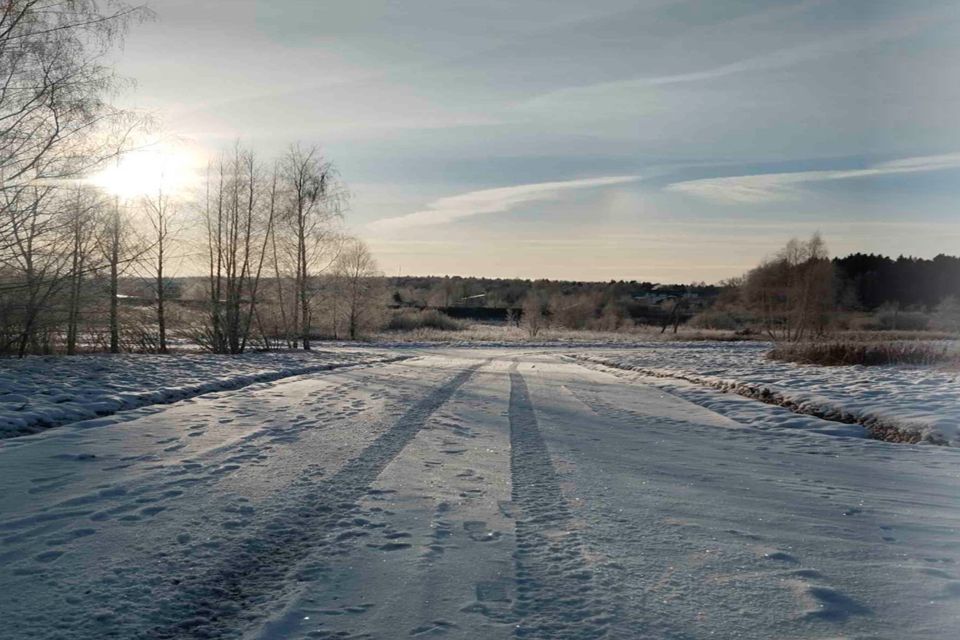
868,281
865,282
457,291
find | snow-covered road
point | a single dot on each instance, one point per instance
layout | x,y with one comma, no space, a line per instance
474,493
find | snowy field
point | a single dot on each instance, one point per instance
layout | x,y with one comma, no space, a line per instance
484,493
41,392
916,400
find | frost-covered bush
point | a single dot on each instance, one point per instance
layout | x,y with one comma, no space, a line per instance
947,315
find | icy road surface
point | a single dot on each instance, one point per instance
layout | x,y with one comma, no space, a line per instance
481,494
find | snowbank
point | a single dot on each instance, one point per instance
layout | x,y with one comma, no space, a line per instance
911,404
41,392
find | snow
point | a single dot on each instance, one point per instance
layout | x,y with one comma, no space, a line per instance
471,493
41,392
915,400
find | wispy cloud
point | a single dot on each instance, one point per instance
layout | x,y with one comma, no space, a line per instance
475,203
780,186
847,42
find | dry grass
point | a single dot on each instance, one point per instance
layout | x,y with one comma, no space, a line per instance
836,353
891,336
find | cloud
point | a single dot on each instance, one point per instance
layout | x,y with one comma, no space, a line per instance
475,203
850,41
780,186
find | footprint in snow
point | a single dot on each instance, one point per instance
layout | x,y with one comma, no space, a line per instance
48,556
69,536
833,605
478,532
391,546
781,556
807,574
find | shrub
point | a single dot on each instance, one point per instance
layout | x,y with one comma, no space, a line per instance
412,320
717,319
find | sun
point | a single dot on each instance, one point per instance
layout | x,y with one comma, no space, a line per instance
147,171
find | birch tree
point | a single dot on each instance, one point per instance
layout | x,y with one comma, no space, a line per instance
160,214
83,214
314,197
238,218
360,287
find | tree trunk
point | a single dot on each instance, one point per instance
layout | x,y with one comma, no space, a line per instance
114,292
304,298
73,313
28,324
161,289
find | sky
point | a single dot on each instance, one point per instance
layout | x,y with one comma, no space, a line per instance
652,140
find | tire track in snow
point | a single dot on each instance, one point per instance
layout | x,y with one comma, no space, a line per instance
556,597
219,602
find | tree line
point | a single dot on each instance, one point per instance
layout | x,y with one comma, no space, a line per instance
869,281
267,231
55,126
280,271
800,293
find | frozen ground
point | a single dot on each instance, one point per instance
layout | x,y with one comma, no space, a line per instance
471,494
41,392
920,400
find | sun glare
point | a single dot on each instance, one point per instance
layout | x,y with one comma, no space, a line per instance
145,172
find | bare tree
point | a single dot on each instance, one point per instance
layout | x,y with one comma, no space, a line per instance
119,250
678,305
314,199
163,226
239,223
82,221
360,286
55,122
55,125
266,223
285,329
793,292
37,254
